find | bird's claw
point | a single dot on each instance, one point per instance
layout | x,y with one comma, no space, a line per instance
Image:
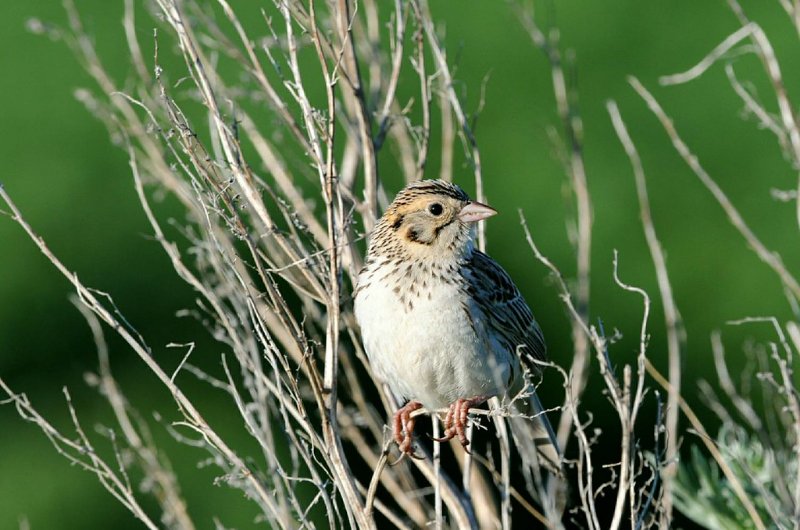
403,455
455,421
455,425
403,423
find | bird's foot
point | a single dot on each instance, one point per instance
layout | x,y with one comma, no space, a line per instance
403,424
455,421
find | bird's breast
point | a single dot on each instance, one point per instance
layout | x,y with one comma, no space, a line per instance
421,338
391,305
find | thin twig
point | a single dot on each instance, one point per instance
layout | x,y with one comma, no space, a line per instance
772,259
572,125
674,323
735,484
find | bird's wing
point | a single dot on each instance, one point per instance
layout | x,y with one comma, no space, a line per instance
510,319
505,311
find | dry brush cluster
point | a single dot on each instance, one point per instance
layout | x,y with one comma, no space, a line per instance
273,136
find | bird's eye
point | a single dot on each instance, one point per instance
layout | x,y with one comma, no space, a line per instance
436,209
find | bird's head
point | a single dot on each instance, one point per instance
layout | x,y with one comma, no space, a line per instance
430,218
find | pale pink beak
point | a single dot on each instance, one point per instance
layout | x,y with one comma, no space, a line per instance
475,211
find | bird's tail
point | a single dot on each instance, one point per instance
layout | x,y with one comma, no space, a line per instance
537,445
536,439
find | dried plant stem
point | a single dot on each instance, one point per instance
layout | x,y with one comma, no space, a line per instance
198,423
767,256
735,484
373,485
505,467
333,207
169,497
80,452
437,470
674,324
572,126
626,399
627,408
358,104
770,61
425,93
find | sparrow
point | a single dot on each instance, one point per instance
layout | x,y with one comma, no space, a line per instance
442,323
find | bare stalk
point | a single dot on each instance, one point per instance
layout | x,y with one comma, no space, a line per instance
769,257
736,485
548,43
674,324
768,58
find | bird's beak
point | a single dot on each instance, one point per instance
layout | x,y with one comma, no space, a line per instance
475,211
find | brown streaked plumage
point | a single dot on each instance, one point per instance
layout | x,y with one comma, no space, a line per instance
442,323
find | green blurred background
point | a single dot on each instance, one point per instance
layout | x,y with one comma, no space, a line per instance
75,188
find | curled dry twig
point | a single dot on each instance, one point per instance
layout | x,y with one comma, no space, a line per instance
627,399
675,332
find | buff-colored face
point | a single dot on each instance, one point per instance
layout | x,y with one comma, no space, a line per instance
433,217
423,220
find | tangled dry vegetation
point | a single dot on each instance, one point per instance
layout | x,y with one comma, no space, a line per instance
267,134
